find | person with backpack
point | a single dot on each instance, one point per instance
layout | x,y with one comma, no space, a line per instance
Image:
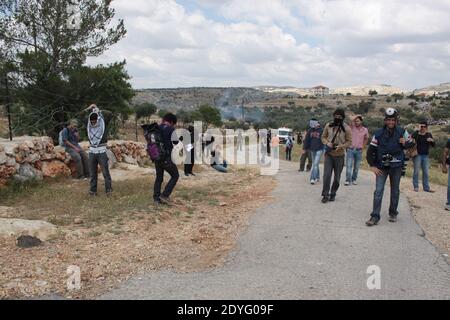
97,131
424,140
69,139
164,136
445,169
289,146
386,158
337,137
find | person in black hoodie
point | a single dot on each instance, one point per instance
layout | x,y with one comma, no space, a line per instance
190,155
424,140
313,144
97,130
167,128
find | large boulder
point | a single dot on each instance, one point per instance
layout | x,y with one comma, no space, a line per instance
26,173
111,159
53,169
5,174
3,157
18,227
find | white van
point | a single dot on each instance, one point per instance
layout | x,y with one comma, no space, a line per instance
283,133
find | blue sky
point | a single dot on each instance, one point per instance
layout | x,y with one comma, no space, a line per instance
300,43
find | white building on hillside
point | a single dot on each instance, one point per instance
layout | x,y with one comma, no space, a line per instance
320,91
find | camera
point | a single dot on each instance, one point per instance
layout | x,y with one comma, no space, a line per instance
386,159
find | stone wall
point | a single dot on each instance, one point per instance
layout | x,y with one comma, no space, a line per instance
27,158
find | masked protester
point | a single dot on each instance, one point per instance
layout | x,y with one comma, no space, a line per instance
337,137
386,159
314,146
445,166
98,137
70,138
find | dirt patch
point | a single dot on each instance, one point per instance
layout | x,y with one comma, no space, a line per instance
428,210
197,232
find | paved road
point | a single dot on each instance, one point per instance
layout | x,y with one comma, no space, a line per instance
299,248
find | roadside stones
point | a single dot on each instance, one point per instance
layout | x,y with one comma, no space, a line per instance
19,227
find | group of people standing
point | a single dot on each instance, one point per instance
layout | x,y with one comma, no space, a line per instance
343,143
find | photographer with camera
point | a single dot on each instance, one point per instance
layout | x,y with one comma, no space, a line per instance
337,137
386,158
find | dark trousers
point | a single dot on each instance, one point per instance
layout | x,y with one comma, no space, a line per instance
394,175
332,165
96,159
189,162
289,154
81,162
172,169
306,156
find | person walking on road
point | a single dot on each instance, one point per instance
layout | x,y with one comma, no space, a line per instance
360,138
424,140
386,158
445,169
337,137
314,145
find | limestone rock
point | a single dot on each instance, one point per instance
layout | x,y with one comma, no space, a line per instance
17,227
111,159
3,157
55,169
26,173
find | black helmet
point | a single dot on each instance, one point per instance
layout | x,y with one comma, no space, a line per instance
391,113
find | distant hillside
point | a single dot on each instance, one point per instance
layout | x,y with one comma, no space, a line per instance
190,98
437,89
382,89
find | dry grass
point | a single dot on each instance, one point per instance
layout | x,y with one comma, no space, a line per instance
125,234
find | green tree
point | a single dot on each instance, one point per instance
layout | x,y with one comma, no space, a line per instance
50,53
145,111
210,115
373,93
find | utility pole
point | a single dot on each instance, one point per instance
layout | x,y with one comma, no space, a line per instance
8,105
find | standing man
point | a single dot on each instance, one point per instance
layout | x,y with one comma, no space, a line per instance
360,138
306,155
314,146
445,166
190,153
70,137
97,130
167,128
337,137
386,158
289,146
239,140
424,140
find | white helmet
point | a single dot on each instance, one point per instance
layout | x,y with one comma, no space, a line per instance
391,113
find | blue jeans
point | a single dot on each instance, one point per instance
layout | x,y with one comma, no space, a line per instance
354,157
315,172
421,162
221,167
394,178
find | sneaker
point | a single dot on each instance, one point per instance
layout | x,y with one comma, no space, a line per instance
430,191
371,222
192,174
300,170
355,183
109,194
447,207
347,183
325,199
165,200
317,181
416,189
92,194
332,198
313,181
392,218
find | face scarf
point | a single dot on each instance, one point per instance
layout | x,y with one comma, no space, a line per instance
95,132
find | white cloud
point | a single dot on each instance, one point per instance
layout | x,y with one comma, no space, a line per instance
300,43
